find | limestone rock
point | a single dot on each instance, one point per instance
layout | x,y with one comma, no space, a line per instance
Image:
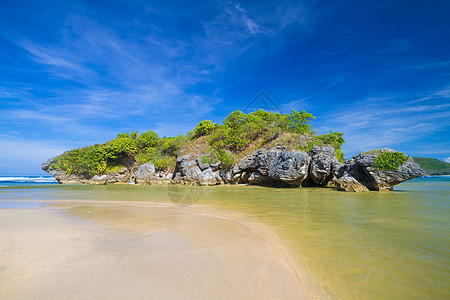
264,160
290,167
258,178
349,184
193,174
380,180
98,180
322,161
144,173
208,177
201,165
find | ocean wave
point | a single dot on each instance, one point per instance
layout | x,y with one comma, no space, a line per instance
29,179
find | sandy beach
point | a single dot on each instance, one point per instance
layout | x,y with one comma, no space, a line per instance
116,251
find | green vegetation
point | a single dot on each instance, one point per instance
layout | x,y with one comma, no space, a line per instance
333,139
204,128
123,151
433,166
239,130
390,161
239,135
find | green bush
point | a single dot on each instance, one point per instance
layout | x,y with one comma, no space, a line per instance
235,119
120,148
390,161
204,128
298,121
340,155
163,163
239,130
334,139
225,157
145,156
148,139
171,146
90,160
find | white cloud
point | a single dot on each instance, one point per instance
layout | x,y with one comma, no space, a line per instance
383,121
447,159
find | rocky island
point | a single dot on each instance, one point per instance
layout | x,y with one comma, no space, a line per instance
259,148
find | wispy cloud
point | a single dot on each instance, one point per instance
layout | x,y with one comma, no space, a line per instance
386,122
439,94
48,56
439,64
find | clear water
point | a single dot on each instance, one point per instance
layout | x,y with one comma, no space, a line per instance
375,245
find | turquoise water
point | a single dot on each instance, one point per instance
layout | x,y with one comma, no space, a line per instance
375,245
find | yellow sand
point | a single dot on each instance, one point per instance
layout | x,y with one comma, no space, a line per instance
113,251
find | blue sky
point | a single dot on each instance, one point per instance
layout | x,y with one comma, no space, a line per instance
75,73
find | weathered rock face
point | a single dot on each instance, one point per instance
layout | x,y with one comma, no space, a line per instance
98,179
195,172
349,184
290,167
275,167
380,180
144,173
272,167
360,173
323,161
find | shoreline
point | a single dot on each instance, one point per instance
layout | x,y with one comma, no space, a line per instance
222,255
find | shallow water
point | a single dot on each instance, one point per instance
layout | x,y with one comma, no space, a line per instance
376,245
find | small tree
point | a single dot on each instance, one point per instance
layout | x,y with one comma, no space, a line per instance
204,128
298,121
235,119
148,139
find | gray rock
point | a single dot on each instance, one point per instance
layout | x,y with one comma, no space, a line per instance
201,165
144,173
337,169
193,174
235,178
362,168
215,167
245,176
46,166
99,179
186,165
349,184
385,180
244,164
208,177
290,167
263,161
322,160
258,178
117,177
227,176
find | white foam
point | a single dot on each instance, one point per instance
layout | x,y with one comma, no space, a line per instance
30,179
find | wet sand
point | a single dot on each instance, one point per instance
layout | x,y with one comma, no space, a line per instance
116,251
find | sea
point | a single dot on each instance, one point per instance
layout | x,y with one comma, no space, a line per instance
6,181
373,245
